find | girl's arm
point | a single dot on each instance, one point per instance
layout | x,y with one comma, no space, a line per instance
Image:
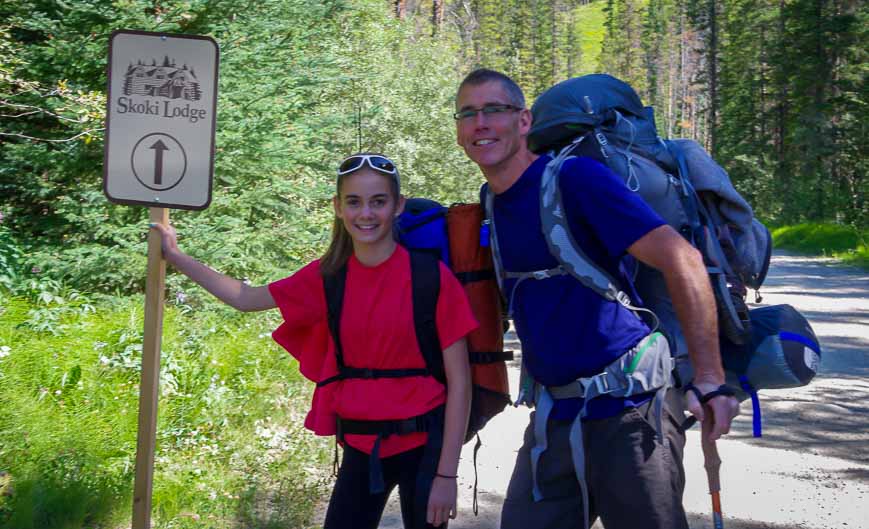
231,291
442,500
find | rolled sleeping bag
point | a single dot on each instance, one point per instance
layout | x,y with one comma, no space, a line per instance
784,353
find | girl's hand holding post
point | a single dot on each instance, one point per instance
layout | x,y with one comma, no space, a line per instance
169,240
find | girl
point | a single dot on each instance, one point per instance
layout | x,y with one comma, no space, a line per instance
398,427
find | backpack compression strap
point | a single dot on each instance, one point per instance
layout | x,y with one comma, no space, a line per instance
334,285
703,237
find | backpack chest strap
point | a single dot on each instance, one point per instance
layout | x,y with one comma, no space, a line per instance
345,372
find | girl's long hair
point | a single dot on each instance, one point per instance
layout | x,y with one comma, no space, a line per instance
341,246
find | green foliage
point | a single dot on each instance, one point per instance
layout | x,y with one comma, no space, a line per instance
301,84
844,242
10,257
622,45
231,449
589,21
404,99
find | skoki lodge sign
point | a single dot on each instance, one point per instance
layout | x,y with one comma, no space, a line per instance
160,118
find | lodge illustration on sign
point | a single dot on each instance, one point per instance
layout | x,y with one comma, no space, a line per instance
166,80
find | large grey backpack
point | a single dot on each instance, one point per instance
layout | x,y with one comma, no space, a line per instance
602,117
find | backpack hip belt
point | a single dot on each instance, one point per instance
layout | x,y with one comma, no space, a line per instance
644,368
431,422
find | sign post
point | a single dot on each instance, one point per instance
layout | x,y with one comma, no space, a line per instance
159,152
149,386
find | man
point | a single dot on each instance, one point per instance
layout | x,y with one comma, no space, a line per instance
627,464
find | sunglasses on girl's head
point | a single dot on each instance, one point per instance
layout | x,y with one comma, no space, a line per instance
374,161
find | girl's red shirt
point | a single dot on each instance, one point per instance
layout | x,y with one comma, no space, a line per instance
377,332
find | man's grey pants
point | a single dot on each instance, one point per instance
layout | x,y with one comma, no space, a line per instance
634,482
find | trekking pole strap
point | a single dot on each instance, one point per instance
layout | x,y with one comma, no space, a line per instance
756,421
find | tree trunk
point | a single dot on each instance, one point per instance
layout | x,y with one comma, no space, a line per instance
437,16
572,48
781,104
400,9
556,47
762,81
712,76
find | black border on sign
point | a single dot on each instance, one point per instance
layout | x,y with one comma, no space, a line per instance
128,202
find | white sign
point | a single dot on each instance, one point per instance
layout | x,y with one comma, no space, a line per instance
160,117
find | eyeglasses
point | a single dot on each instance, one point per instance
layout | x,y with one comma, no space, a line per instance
374,161
488,110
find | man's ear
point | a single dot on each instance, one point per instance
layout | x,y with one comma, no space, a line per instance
401,203
525,120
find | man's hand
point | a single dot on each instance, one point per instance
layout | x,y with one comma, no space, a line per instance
719,411
442,501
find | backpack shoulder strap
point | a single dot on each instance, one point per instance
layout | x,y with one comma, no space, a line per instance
334,286
425,278
560,241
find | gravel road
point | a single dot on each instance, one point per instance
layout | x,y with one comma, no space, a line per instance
810,470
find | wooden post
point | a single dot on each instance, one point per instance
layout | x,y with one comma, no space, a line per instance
150,382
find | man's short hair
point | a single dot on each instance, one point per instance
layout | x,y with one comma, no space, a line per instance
483,75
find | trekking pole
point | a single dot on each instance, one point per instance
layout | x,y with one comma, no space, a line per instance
712,462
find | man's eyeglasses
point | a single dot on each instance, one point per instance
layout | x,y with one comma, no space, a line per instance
488,110
374,161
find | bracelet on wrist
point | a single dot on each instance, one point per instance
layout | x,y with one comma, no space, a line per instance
438,474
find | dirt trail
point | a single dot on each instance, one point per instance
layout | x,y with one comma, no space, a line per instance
810,470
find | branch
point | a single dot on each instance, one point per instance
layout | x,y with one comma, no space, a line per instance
50,140
19,115
36,110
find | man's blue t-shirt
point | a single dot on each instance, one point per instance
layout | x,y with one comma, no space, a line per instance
567,330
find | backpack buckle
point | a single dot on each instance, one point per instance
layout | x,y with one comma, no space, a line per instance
540,274
601,382
623,298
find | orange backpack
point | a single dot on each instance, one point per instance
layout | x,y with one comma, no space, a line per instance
472,264
453,235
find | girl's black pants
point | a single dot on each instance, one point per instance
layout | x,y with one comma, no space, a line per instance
353,506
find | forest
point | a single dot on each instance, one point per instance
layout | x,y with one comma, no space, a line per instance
773,88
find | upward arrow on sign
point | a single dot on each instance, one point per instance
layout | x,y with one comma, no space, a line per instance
158,147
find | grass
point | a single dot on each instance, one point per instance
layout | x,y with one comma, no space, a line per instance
832,240
231,448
